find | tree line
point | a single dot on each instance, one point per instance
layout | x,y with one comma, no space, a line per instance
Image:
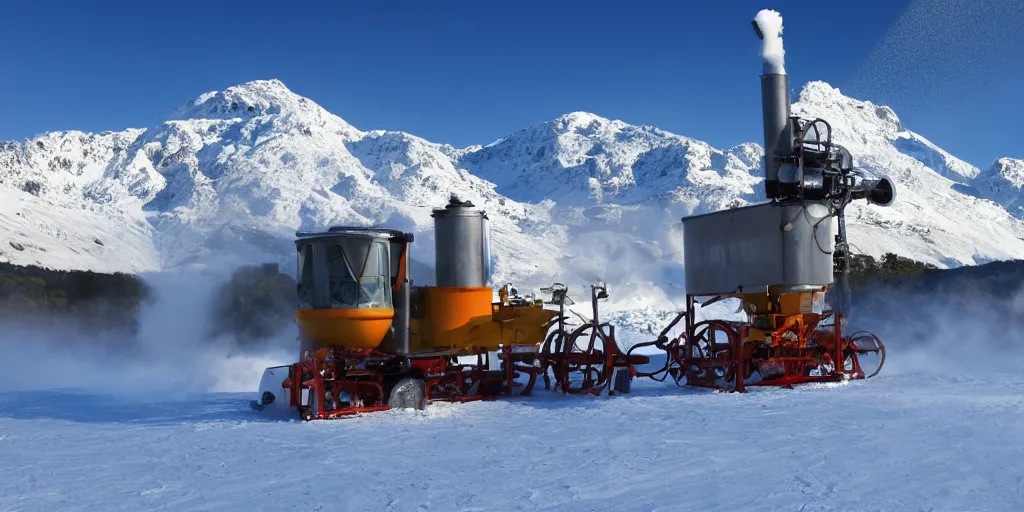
257,302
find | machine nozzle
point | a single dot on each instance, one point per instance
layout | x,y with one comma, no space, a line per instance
882,193
877,190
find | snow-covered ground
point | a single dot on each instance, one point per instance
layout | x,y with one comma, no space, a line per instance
162,422
910,439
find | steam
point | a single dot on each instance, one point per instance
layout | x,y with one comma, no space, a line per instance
770,24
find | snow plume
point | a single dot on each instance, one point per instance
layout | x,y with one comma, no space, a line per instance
170,357
770,24
944,332
947,57
636,252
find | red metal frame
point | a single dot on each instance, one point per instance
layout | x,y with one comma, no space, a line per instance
695,355
333,371
597,360
321,374
794,358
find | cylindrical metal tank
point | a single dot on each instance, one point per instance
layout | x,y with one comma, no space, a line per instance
461,246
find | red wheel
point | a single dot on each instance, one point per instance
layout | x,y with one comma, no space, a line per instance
551,355
587,354
869,355
710,356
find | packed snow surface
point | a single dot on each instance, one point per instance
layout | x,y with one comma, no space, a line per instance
899,442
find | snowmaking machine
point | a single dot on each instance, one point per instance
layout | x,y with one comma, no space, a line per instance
777,259
370,340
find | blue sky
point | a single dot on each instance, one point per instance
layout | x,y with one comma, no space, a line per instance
471,72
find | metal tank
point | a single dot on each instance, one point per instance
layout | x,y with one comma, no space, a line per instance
783,246
461,246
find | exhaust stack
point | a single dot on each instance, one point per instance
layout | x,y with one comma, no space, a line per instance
778,127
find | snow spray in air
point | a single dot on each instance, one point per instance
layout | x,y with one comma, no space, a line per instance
945,330
169,357
768,25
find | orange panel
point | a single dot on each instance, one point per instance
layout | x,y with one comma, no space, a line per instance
524,325
466,319
454,316
795,303
349,328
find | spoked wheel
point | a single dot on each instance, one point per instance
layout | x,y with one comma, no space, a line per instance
712,361
551,355
585,359
869,355
675,359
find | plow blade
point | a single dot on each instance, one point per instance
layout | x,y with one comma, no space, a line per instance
273,397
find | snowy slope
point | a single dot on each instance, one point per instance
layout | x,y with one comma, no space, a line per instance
233,174
1003,183
896,443
583,159
37,232
72,200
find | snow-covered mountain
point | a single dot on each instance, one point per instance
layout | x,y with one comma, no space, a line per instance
233,174
1002,183
937,217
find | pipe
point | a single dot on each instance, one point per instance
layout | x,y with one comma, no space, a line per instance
775,104
775,111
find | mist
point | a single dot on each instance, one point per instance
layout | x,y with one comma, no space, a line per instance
170,356
946,333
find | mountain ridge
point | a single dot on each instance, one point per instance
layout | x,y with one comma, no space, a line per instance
231,175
